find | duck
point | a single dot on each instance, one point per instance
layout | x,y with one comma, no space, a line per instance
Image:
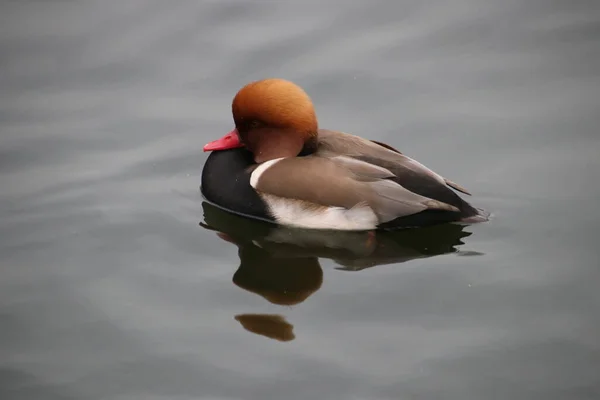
279,166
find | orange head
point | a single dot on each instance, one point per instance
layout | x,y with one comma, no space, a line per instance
273,118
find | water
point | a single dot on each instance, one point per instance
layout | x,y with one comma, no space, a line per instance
112,288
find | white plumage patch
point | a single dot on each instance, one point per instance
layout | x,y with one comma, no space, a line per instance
297,213
255,176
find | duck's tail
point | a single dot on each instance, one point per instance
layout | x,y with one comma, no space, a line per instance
480,216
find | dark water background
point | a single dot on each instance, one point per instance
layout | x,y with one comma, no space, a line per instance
110,288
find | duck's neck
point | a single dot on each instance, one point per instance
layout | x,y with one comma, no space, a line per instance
281,145
310,146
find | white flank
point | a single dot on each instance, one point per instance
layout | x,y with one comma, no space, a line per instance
255,176
293,213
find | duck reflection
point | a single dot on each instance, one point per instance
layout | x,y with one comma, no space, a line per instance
272,326
281,264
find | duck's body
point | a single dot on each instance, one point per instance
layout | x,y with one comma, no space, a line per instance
294,174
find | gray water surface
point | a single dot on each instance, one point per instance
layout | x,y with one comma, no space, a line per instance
114,285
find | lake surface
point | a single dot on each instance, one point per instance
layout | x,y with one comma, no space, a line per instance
115,285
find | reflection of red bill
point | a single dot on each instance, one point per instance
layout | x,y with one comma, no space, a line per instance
225,237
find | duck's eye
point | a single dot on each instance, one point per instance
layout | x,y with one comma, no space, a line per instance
254,124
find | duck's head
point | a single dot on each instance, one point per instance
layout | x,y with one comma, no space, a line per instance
273,118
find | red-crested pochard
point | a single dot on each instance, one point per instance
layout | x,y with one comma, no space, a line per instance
277,165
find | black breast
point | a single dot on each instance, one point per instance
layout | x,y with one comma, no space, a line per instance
226,183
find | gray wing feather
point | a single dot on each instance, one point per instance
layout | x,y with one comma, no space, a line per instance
392,201
354,146
362,170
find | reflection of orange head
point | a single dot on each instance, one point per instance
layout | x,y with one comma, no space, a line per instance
270,325
286,281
